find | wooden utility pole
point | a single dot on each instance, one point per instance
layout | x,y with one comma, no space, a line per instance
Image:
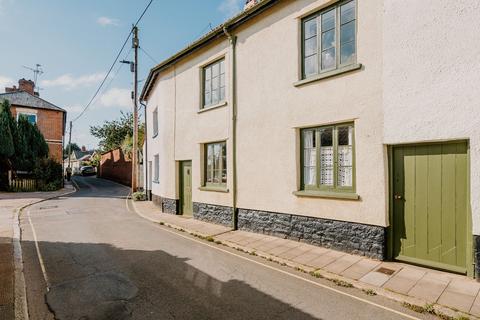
135,44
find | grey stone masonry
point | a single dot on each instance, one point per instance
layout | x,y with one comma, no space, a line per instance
356,238
213,213
170,206
476,255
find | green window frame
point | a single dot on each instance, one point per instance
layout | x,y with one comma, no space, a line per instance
213,83
329,39
328,158
216,164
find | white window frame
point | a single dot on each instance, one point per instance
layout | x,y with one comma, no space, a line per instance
27,114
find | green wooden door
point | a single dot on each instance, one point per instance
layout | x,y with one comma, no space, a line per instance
186,187
430,196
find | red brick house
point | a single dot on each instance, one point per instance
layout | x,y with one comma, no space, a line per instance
49,118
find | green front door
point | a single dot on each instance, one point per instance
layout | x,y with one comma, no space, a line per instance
430,196
186,187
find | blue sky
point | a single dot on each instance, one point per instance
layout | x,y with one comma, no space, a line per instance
75,41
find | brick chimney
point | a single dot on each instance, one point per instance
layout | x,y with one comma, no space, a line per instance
26,85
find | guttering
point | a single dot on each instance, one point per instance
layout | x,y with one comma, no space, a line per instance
233,42
216,33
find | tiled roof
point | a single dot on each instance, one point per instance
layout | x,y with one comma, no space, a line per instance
25,99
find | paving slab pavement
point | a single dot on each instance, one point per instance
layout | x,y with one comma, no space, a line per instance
422,285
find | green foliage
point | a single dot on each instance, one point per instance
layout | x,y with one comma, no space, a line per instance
139,196
31,145
7,146
75,147
49,174
112,134
95,159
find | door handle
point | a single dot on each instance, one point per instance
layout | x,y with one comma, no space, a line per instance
397,197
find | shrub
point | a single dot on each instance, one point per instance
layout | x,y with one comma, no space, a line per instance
49,174
139,196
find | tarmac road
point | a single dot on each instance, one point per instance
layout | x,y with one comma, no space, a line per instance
87,256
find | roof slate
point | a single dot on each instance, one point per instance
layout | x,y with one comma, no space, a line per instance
25,99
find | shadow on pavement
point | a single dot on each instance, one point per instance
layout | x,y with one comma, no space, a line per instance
99,281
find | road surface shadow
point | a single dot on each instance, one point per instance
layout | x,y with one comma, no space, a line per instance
168,286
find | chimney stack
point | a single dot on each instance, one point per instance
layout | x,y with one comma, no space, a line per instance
84,149
26,85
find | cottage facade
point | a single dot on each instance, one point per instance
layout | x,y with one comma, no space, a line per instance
288,120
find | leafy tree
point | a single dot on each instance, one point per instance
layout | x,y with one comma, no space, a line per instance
113,133
74,146
31,145
7,144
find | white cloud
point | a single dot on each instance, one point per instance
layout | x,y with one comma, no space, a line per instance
231,7
67,81
106,21
5,81
116,97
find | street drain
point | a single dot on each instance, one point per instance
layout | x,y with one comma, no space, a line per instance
386,271
47,207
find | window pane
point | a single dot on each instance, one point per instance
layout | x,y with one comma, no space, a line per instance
215,69
311,65
208,99
328,39
328,20
347,52
309,157
311,46
347,32
222,66
326,157
222,94
208,85
310,28
326,137
345,156
345,136
309,175
222,80
215,96
347,12
215,83
328,59
208,73
326,169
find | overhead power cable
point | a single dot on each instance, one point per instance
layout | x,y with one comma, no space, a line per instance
148,55
113,64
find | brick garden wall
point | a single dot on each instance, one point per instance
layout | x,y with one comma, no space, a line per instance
115,166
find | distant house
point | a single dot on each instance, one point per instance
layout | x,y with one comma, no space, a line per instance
77,158
49,118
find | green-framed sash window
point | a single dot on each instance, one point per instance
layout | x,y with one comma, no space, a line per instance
214,83
329,39
216,164
328,158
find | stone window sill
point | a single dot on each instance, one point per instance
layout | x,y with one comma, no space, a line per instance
328,74
214,189
155,135
214,106
327,194
156,181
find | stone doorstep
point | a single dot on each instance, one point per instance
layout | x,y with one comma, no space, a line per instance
350,267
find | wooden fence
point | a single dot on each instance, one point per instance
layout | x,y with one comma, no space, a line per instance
21,184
